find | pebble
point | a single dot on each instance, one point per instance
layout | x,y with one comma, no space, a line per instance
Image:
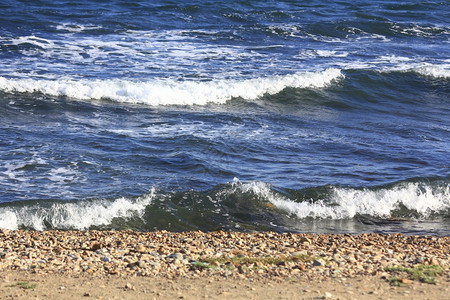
129,286
96,246
405,281
140,248
305,240
318,263
171,255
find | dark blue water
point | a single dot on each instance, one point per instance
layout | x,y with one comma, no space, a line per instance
302,116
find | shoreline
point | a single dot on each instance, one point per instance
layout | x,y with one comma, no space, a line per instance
128,260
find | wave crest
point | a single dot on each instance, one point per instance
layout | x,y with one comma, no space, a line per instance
170,92
435,71
74,215
346,203
253,205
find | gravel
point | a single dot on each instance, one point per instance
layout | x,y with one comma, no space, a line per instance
227,254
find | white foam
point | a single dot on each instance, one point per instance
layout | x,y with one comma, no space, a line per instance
72,27
34,40
436,71
8,219
124,54
14,171
400,63
308,54
390,63
347,202
168,91
439,69
74,215
62,175
393,59
328,53
421,30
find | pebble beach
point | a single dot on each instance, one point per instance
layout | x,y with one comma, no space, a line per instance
230,256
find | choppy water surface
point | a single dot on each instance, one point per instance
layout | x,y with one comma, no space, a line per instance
277,115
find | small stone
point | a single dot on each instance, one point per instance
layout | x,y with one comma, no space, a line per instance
96,246
227,273
129,286
141,264
434,261
141,248
420,260
305,240
318,263
337,258
87,294
327,295
176,256
300,253
405,281
215,263
301,267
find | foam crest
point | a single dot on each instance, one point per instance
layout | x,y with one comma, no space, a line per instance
308,53
344,203
405,64
168,91
74,215
33,40
72,27
436,71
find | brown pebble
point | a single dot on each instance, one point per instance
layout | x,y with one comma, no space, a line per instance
405,281
96,246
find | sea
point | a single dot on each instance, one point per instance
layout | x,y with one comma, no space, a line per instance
287,116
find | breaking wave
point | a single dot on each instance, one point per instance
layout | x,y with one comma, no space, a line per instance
236,205
434,71
73,215
343,203
170,92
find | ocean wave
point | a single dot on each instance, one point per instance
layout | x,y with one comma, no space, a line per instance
346,203
393,63
253,205
435,71
406,64
73,215
420,30
170,92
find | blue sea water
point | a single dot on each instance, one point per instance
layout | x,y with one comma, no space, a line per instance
300,116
